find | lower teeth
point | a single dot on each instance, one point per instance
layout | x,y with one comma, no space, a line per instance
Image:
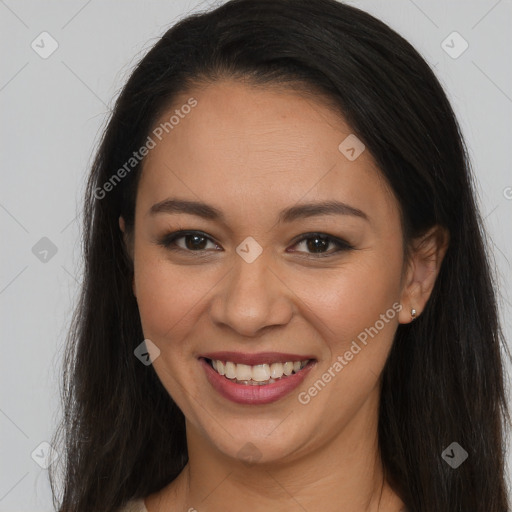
253,382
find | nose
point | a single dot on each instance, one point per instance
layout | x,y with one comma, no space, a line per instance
252,297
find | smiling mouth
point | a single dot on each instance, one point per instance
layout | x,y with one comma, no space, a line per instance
257,375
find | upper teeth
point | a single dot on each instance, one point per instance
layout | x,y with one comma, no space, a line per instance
259,372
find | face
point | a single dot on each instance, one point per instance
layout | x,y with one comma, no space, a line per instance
259,278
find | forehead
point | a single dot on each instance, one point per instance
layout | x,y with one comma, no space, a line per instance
258,145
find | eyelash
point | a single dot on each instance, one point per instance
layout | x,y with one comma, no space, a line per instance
168,241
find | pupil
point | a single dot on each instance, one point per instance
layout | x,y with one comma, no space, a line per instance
194,244
315,248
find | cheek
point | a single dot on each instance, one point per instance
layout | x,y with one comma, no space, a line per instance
356,313
167,295
357,302
351,297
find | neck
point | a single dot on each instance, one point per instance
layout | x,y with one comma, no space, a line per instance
343,474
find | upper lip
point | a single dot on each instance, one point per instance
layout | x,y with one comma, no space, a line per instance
255,359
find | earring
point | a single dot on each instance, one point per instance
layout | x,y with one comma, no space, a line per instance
413,314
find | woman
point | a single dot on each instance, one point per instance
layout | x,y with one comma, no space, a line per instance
287,302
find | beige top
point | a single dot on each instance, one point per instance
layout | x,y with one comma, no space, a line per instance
134,506
139,506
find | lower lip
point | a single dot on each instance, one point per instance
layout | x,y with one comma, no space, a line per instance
254,395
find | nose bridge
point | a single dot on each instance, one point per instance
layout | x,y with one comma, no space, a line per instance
251,298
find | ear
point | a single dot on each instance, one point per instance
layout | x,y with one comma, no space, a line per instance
426,255
127,246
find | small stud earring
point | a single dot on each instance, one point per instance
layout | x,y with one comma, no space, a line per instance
413,314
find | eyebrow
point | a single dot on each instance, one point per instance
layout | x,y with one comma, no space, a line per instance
300,211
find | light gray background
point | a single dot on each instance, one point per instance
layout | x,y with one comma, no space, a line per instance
52,111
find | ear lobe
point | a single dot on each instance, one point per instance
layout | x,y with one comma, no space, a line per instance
427,254
126,239
122,227
127,247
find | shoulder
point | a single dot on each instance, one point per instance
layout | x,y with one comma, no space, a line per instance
134,506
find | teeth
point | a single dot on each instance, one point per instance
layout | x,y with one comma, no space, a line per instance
276,370
230,370
243,372
261,373
288,368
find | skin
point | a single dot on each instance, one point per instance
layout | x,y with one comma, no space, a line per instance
252,152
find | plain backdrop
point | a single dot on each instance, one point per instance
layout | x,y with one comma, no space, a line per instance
53,108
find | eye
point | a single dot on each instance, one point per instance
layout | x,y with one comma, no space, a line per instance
193,241
197,242
317,243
